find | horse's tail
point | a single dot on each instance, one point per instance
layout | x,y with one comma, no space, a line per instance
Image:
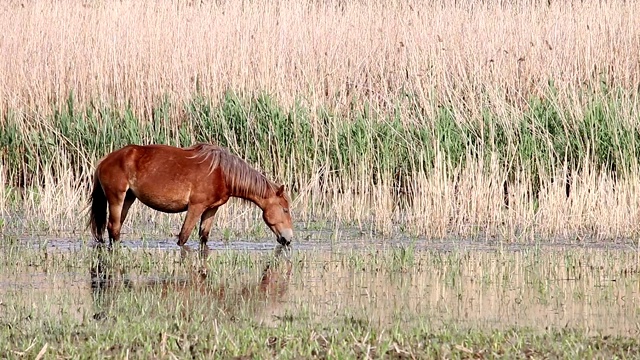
98,216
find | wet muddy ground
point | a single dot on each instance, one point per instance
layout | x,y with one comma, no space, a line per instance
386,283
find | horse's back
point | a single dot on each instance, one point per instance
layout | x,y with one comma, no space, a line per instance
162,177
134,153
117,161
153,162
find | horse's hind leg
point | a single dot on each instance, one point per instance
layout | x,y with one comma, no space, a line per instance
116,202
129,199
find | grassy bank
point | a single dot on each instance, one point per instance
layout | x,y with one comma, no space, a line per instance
248,341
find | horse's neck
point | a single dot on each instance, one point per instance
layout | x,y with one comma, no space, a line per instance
247,190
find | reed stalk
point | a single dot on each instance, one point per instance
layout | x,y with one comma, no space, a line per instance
392,115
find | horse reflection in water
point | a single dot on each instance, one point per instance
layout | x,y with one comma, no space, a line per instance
230,296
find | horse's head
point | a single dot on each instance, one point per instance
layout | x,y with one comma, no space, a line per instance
276,215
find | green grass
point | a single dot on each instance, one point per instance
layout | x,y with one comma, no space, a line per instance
414,156
248,341
293,143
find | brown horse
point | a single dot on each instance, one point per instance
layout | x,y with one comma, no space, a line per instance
198,180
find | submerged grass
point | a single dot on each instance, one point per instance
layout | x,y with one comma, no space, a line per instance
399,302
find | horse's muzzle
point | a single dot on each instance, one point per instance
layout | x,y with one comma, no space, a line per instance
283,241
285,236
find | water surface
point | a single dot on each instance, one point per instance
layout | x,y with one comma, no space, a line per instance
474,285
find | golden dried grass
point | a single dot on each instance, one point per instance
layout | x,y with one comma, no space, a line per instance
328,54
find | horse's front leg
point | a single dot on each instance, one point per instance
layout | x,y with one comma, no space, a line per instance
193,213
206,221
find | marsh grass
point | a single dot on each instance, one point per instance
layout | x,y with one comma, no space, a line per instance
380,302
436,179
401,117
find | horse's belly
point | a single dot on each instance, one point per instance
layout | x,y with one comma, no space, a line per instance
165,202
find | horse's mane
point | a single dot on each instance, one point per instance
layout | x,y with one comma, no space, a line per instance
240,176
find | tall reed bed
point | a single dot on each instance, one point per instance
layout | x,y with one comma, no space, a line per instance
504,118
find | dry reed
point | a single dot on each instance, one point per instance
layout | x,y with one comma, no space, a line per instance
467,56
324,52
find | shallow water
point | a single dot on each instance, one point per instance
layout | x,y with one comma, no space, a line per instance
345,239
468,284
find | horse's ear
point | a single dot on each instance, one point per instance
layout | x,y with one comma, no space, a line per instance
280,190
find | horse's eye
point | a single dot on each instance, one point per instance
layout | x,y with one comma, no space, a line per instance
285,210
